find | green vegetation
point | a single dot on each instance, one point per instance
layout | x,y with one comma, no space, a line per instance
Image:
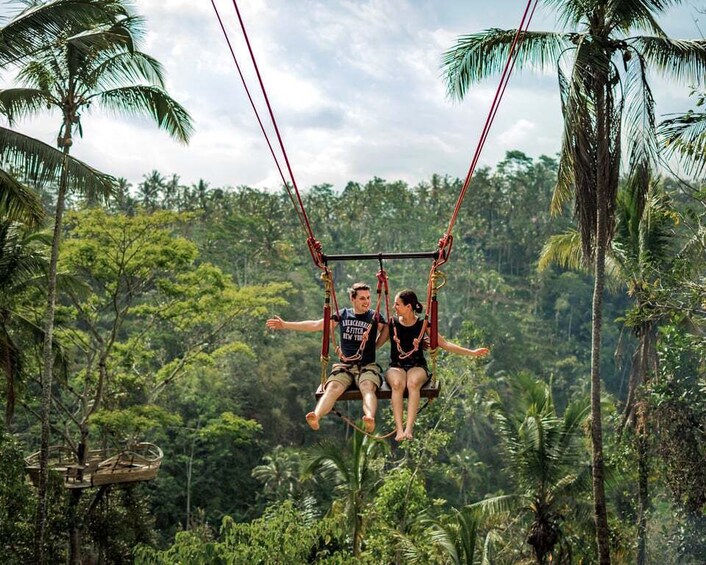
158,335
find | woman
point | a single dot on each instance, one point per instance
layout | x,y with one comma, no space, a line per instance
408,366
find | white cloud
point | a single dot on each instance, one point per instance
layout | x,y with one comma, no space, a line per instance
355,86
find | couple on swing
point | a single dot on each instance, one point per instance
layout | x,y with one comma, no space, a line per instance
362,331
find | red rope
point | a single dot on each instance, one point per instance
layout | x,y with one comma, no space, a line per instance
272,117
445,243
500,91
313,245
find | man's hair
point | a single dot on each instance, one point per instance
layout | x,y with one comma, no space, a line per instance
353,291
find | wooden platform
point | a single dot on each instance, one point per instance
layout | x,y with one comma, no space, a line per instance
384,392
140,462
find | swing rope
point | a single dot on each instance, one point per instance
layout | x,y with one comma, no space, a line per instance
314,246
499,93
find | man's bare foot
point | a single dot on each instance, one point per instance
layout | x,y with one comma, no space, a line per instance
313,420
399,436
408,435
369,424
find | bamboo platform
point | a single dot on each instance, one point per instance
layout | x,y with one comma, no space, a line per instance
429,390
140,462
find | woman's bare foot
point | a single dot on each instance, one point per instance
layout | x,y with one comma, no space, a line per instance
399,436
313,420
408,435
369,424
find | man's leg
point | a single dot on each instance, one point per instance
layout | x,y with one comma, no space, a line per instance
370,404
416,377
397,379
333,390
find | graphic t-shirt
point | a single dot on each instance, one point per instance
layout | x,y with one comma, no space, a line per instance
353,327
406,335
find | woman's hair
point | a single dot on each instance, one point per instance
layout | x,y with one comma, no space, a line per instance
353,291
409,297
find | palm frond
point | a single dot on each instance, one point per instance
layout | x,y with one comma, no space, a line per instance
152,101
41,164
628,15
498,504
126,68
642,146
480,55
683,61
564,250
111,37
16,103
685,136
18,202
39,26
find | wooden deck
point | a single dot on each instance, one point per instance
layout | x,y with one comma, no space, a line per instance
429,390
103,467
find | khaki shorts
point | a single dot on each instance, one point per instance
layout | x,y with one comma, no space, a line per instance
346,374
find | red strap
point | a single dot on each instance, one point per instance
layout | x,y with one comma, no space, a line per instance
500,91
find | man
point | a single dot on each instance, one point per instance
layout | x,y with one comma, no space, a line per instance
362,332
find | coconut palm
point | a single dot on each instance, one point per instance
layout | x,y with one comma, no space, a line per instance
546,461
96,65
457,536
355,474
280,474
31,31
642,252
604,94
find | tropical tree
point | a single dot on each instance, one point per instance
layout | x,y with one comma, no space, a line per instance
547,463
88,63
643,252
605,99
34,30
355,473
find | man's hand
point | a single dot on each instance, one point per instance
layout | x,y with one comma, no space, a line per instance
275,323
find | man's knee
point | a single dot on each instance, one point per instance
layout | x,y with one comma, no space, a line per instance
335,388
367,386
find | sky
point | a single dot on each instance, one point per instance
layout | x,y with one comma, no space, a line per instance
355,86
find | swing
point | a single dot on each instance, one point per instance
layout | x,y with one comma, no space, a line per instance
431,388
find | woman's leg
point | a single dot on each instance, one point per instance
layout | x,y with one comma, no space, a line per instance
397,379
416,377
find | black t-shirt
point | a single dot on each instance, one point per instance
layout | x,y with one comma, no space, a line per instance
406,335
353,326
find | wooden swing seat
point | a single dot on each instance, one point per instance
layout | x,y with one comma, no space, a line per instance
429,390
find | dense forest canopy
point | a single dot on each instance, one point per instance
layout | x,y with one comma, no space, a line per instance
157,337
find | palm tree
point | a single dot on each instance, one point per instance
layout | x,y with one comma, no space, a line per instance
458,537
23,264
545,459
641,253
85,65
30,32
604,92
280,474
355,474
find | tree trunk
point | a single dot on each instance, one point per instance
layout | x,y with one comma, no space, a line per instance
48,366
601,243
599,500
643,496
75,527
